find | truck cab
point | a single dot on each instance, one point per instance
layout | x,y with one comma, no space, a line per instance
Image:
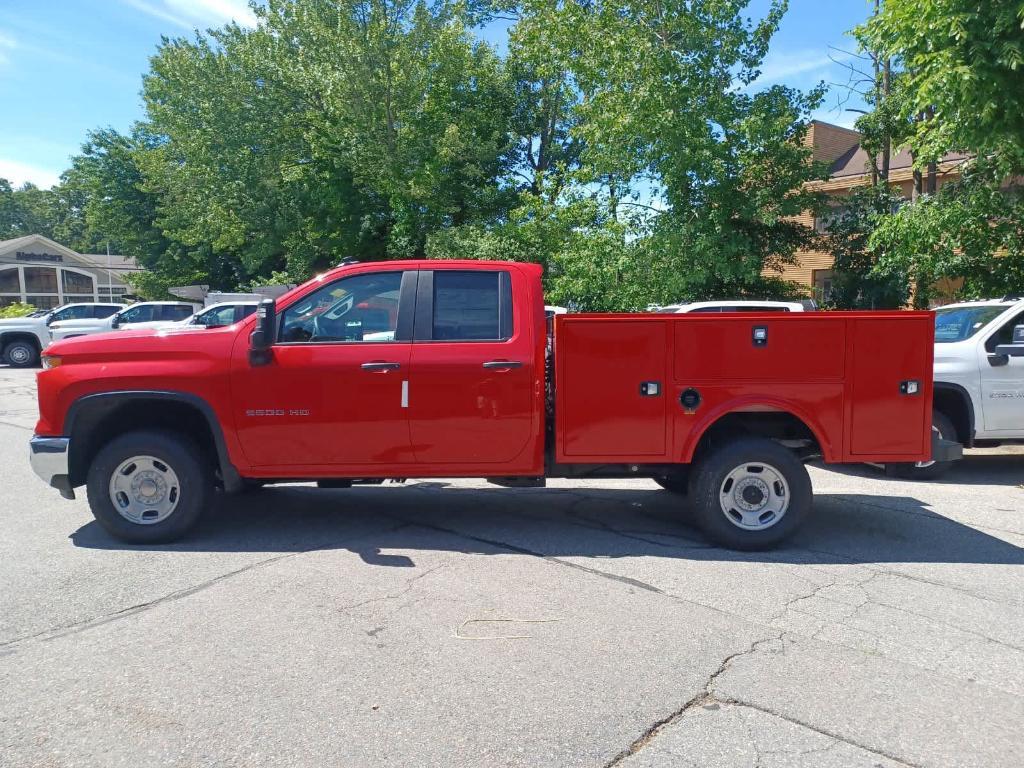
979,392
448,369
124,317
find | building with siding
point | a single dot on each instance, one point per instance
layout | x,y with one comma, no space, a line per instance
849,168
38,271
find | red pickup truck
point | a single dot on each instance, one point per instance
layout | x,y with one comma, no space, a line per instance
451,369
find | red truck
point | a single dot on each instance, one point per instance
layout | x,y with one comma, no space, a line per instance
451,369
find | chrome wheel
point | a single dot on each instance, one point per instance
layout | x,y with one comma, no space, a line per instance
754,496
144,490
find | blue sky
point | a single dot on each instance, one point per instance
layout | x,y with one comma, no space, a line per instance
70,65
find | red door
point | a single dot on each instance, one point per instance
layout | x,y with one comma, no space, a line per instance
471,374
332,394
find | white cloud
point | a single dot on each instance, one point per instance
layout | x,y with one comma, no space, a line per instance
779,66
18,173
192,14
7,43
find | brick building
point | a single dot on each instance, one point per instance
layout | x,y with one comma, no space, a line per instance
849,168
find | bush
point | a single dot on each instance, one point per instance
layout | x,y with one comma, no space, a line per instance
16,310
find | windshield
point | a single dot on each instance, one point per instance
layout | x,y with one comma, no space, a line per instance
959,323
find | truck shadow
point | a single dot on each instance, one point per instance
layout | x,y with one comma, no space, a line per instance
594,522
1005,469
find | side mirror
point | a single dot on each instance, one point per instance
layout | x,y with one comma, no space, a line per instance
115,321
1016,349
262,338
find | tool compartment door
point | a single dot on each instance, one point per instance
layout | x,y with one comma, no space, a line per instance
891,354
607,370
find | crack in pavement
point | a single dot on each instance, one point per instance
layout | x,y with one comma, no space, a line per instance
703,696
408,588
707,695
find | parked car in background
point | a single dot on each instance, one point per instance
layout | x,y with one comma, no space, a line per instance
741,305
143,312
214,316
23,338
979,393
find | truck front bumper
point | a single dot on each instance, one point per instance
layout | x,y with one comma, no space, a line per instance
49,459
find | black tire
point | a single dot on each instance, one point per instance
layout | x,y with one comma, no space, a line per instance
21,354
677,482
184,457
946,431
709,478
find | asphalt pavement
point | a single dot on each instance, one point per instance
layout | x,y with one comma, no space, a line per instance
453,623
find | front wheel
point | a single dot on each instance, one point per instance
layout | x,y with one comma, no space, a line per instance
149,487
750,494
21,354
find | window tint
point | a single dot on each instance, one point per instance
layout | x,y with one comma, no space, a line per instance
358,308
141,313
74,312
216,317
104,310
176,311
472,306
245,310
1005,334
748,308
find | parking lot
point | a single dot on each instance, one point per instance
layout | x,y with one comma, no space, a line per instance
455,623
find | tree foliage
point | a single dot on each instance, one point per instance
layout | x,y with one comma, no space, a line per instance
624,145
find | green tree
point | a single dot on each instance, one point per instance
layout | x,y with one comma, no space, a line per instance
701,174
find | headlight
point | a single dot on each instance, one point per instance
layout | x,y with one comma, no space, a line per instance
51,361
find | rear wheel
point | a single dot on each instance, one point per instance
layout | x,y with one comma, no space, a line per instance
750,494
928,470
149,487
21,354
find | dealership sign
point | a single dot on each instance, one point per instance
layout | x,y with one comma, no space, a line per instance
23,256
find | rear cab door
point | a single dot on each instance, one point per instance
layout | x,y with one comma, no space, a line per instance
475,391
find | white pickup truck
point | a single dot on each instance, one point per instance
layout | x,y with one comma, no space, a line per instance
128,317
23,338
979,392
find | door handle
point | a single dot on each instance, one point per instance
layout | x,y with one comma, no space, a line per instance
380,367
503,364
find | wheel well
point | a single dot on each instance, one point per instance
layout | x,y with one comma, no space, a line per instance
954,404
8,338
99,422
781,426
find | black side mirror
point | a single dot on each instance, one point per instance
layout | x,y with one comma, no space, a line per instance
262,338
1016,349
115,321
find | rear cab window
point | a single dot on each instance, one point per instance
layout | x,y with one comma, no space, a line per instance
471,306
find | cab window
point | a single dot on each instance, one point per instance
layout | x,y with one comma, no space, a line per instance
75,312
104,310
1005,333
360,308
142,313
216,317
472,306
176,311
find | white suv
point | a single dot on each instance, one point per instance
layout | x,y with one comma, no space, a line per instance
979,393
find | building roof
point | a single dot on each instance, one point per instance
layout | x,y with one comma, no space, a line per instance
855,161
119,265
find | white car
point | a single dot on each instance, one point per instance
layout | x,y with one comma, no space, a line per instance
979,392
143,312
214,316
23,338
740,305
